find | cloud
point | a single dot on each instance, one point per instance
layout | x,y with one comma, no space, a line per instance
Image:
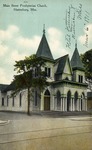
3,50
3,76
14,46
87,34
9,33
16,56
55,38
27,43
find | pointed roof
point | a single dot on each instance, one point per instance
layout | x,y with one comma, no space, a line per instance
43,49
61,64
76,62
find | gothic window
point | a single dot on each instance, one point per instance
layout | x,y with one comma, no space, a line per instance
20,100
47,93
2,101
13,101
68,100
75,99
82,99
35,98
7,100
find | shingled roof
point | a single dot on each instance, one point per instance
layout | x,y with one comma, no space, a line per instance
61,64
43,49
3,86
76,62
9,87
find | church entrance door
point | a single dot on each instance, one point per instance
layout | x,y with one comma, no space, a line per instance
47,100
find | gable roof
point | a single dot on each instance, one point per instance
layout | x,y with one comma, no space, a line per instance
61,64
3,86
76,62
9,87
43,49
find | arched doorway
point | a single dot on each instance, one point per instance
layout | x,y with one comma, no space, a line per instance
68,101
75,100
58,100
47,100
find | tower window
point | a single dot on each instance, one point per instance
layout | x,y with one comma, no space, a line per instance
80,79
48,71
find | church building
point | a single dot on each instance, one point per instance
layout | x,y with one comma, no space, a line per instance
67,90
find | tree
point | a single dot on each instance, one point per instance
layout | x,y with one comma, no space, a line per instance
30,75
87,61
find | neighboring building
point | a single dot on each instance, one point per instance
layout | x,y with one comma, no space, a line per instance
67,90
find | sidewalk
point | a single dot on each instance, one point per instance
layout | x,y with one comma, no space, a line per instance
3,122
60,114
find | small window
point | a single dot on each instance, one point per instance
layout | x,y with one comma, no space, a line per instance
7,100
2,101
13,101
35,98
36,72
20,100
80,79
47,72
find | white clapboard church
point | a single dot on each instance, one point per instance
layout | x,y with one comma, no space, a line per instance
67,90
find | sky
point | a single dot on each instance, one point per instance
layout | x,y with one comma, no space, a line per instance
66,22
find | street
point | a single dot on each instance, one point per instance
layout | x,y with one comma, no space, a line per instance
35,132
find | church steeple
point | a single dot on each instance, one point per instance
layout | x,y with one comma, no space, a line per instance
76,44
44,29
76,62
43,48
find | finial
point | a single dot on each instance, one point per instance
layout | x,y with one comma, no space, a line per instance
76,44
44,29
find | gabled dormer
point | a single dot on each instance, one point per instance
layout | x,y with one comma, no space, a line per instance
63,69
77,67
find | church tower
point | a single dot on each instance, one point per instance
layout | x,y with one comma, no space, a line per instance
77,67
44,49
45,53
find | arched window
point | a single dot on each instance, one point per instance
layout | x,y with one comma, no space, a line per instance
58,99
35,98
20,99
2,101
7,100
47,93
82,99
75,99
13,101
68,100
